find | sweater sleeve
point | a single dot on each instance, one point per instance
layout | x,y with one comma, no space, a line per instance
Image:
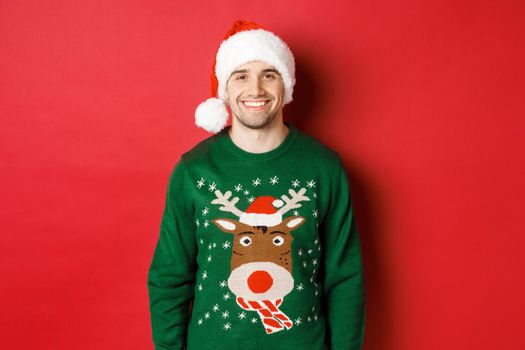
344,290
171,276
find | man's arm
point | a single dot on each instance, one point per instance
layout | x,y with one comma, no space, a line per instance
171,276
344,289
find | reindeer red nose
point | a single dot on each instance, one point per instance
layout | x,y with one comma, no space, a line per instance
260,281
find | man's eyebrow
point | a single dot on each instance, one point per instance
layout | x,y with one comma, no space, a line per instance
268,70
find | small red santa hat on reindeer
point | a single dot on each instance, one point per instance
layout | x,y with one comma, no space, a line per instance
262,212
245,42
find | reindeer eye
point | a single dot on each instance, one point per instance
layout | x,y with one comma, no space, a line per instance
246,241
278,240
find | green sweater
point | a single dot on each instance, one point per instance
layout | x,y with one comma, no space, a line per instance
258,251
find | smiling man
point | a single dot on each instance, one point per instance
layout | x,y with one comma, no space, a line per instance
255,93
255,97
258,244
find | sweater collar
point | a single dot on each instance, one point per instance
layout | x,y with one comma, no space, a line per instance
278,151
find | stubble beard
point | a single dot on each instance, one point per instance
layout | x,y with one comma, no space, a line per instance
255,123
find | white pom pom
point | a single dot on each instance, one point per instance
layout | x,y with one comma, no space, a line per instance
278,203
211,115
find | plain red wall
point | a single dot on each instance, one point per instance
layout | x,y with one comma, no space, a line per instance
423,99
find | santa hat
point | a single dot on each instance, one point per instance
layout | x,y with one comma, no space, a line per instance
245,42
262,212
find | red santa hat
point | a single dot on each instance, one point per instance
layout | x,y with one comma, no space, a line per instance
262,212
245,42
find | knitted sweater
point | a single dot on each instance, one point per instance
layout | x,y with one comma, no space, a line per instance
258,251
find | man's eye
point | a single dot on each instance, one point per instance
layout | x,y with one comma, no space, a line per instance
269,76
241,77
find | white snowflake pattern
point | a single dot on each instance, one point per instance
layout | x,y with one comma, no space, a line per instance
207,315
206,223
251,199
226,245
199,287
295,212
298,321
246,192
305,264
199,322
204,275
295,183
299,287
227,326
223,283
315,213
242,315
225,314
315,317
238,188
256,182
310,251
209,258
209,246
316,241
314,262
226,296
300,252
205,211
310,184
197,222
212,187
215,307
201,241
314,195
309,319
200,183
274,180
253,320
214,245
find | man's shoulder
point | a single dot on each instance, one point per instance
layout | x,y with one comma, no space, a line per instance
201,150
316,148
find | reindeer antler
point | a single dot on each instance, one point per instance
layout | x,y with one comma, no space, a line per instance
227,205
294,201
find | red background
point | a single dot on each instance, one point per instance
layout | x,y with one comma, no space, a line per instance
424,101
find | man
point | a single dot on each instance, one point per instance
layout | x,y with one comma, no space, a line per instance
258,245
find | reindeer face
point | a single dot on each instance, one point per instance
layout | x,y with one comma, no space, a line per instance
261,243
261,260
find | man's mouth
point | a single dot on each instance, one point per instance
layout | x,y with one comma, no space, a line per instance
255,104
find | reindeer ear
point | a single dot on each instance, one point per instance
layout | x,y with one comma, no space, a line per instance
293,222
226,225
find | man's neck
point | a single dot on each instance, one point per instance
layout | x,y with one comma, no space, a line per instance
258,140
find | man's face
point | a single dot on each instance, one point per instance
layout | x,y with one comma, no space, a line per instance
255,94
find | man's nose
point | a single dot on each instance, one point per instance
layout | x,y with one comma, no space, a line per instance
256,88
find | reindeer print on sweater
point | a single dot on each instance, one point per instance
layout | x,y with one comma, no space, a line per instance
260,232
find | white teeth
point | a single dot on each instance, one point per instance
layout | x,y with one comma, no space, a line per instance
254,104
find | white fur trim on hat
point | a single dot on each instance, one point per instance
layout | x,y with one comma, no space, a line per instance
255,45
256,219
211,115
